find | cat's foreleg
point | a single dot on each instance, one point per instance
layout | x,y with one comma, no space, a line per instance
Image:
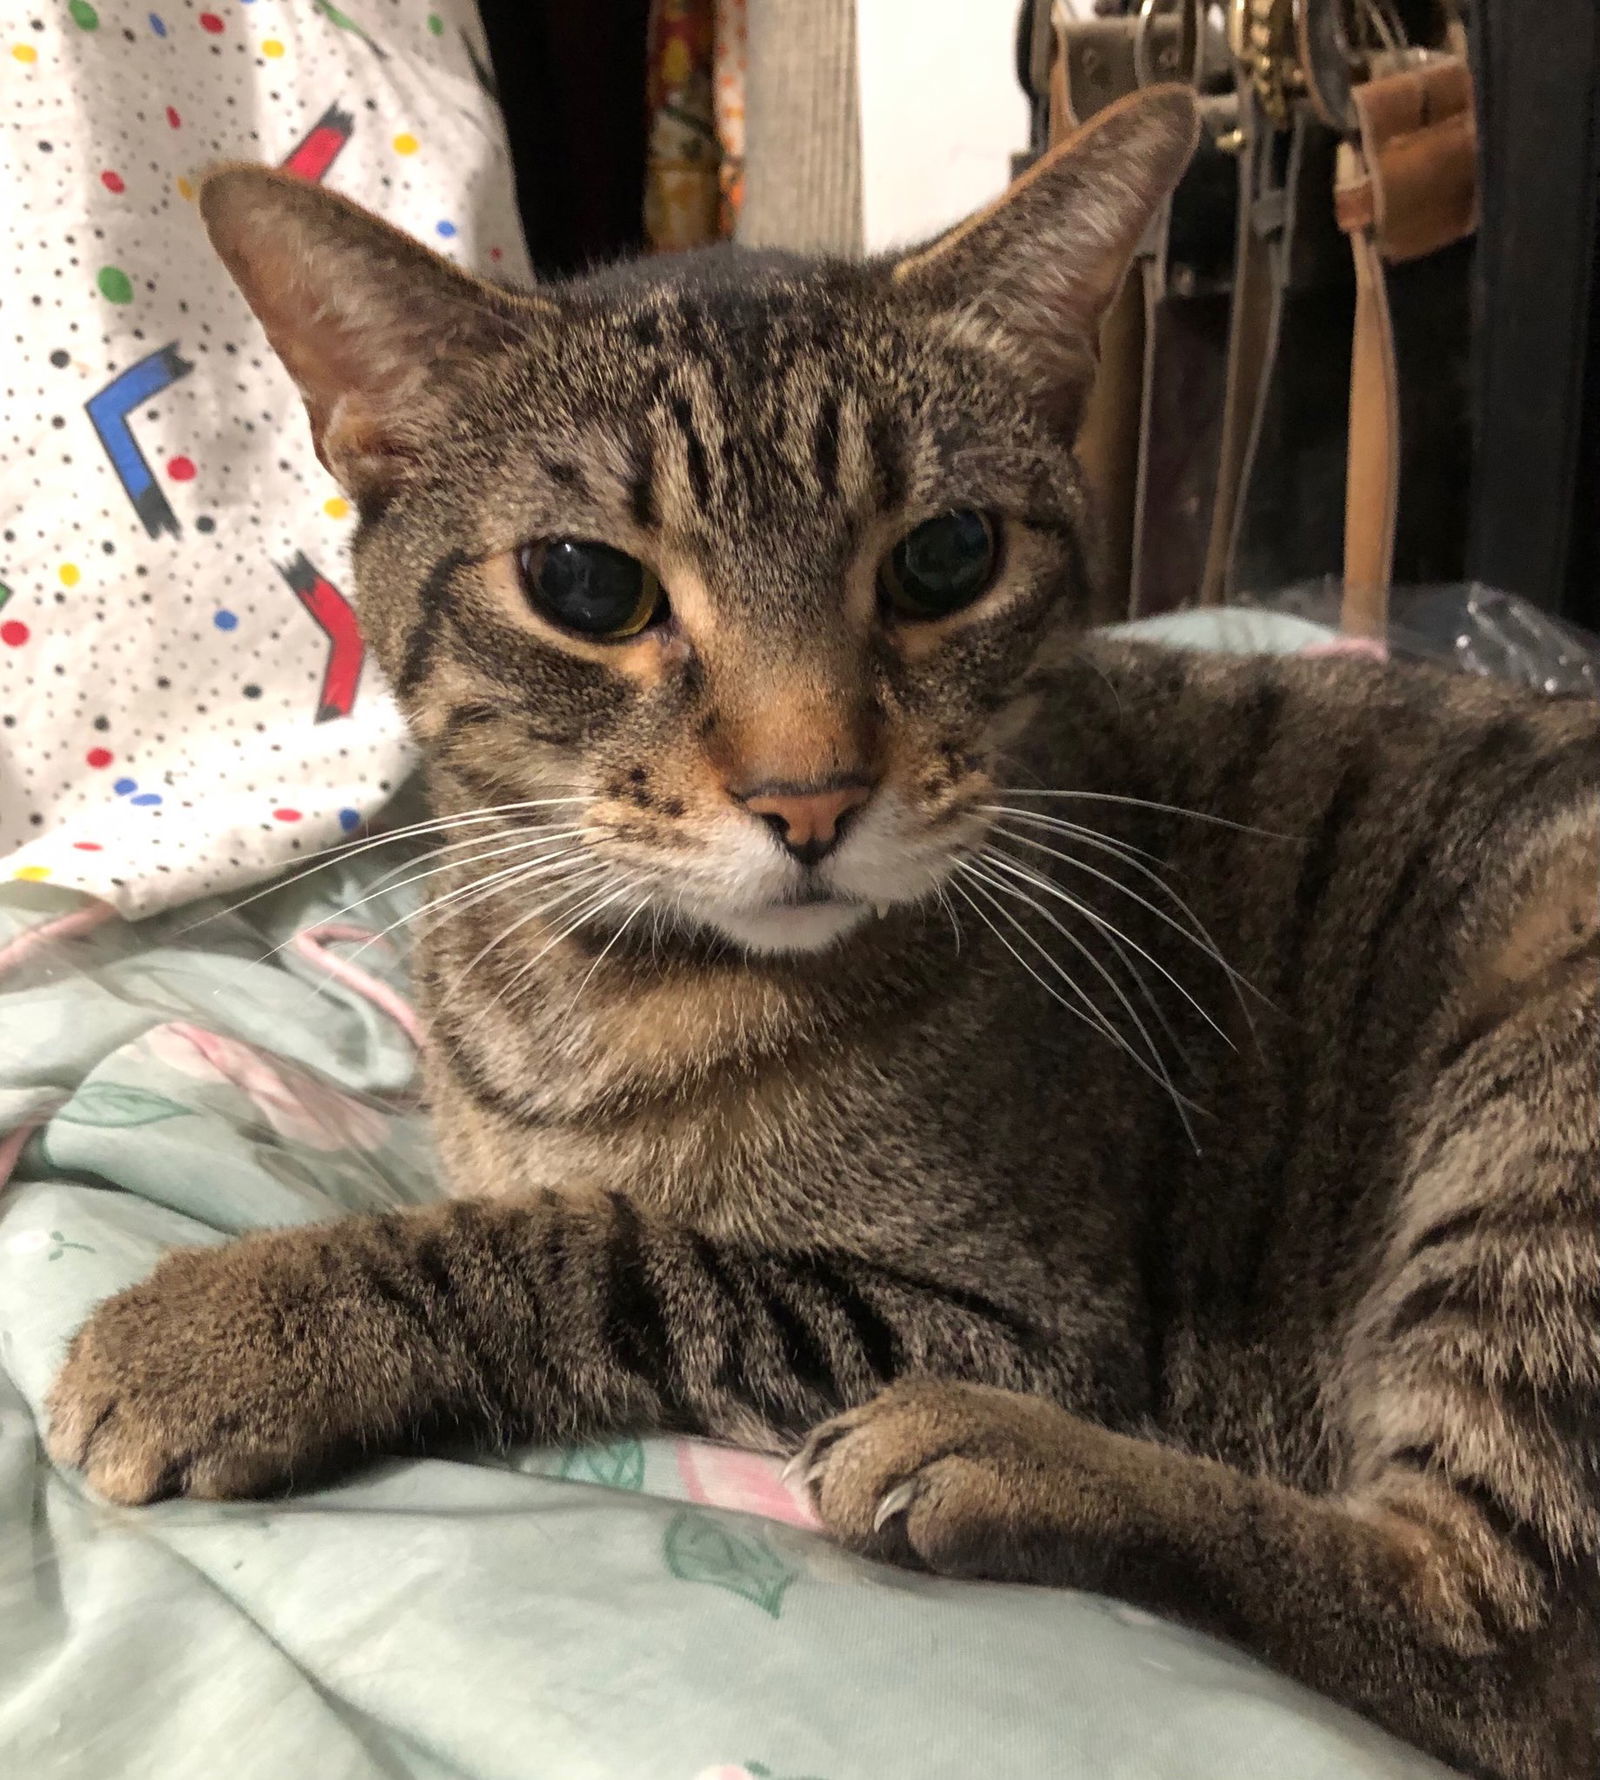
248,1367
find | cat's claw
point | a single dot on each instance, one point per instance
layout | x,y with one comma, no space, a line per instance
807,1464
895,1502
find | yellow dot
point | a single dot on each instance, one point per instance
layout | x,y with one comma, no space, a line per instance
25,52
405,143
336,508
31,873
185,190
272,47
69,574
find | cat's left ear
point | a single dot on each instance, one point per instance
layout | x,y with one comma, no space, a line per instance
376,330
1033,273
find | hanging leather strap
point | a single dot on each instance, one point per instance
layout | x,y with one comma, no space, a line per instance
1406,187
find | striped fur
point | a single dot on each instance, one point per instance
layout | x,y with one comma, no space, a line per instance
1303,1346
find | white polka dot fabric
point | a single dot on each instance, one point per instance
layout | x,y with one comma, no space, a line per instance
185,701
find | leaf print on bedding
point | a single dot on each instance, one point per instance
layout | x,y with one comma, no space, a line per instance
300,1107
113,1103
618,1465
700,1548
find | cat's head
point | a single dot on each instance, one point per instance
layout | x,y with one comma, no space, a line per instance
752,553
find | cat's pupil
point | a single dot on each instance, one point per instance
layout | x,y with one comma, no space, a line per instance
590,588
945,564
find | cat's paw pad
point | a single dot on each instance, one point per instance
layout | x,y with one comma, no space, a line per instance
189,1384
938,1475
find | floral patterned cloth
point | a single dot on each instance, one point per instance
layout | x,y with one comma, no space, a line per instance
185,699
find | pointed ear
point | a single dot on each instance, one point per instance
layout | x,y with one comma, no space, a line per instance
374,328
1034,272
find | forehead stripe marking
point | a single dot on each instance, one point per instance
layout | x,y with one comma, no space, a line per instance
699,472
825,446
433,605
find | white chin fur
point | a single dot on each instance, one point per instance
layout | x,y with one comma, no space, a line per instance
808,927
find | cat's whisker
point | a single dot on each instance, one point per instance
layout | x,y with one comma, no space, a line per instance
344,850
638,909
467,896
1088,1013
589,910
1119,942
495,852
532,832
1093,835
583,885
1197,936
1156,1068
1015,867
1202,936
950,910
1168,809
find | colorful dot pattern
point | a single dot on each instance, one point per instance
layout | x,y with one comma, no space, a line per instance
184,703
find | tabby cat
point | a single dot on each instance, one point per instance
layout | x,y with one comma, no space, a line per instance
1128,1120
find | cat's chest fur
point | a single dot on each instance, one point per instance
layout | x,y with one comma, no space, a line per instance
729,1099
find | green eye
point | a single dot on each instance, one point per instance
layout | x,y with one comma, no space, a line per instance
945,564
591,588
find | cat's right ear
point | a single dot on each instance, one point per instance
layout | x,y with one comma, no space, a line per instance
1032,275
371,325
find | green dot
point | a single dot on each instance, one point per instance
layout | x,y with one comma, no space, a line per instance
84,14
435,24
115,285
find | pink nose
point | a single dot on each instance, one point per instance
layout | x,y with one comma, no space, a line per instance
807,822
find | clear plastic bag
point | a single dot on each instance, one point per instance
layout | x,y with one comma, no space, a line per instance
1466,625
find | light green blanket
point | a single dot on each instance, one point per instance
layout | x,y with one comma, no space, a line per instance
591,1615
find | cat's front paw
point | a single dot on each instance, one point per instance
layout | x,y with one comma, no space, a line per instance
963,1480
231,1371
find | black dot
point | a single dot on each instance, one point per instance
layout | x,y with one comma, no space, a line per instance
252,692
102,722
205,523
163,682
46,147
57,420
59,358
109,548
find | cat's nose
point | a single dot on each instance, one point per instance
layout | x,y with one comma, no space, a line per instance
808,820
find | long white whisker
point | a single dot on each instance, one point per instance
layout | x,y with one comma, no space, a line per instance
467,896
1158,1072
344,850
1092,835
638,909
1089,1012
579,887
1205,945
1170,809
1002,885
1114,933
520,845
950,910
536,833
587,912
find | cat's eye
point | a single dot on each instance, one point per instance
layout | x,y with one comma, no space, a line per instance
591,588
945,564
